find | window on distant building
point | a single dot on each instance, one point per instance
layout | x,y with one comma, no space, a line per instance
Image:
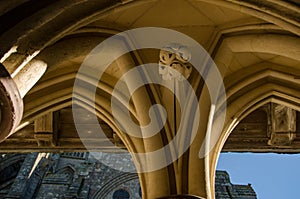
121,194
140,192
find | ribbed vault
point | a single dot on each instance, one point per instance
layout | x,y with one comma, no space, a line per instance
254,43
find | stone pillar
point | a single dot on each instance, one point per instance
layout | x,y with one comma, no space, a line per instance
11,106
186,174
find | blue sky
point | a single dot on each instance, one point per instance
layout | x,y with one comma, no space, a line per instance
273,176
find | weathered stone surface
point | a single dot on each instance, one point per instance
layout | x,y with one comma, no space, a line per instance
21,183
11,104
283,121
77,175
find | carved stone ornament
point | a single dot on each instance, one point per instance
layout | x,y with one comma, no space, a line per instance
174,62
283,129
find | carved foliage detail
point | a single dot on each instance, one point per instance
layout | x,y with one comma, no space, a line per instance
174,62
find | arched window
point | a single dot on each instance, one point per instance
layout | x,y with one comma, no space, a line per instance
121,194
140,192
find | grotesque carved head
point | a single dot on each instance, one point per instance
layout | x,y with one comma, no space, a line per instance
174,62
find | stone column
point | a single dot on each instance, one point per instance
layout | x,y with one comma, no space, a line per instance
186,174
11,104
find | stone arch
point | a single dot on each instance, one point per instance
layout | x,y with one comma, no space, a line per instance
265,11
25,39
117,181
9,168
11,159
68,172
270,84
266,43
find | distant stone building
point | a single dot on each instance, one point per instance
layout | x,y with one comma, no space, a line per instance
226,190
82,176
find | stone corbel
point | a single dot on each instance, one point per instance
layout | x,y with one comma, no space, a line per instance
45,133
283,125
174,62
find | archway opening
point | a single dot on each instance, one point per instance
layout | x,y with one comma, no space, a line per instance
261,155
